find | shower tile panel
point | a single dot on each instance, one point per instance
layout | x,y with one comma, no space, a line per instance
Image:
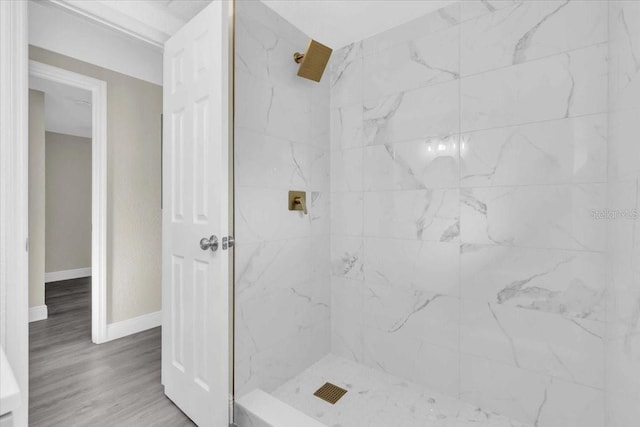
567,85
560,347
560,151
428,112
415,360
432,23
279,110
624,151
347,127
566,283
411,316
271,162
420,62
470,9
428,215
347,316
625,51
347,257
346,214
419,164
272,221
346,75
346,170
413,266
553,216
529,396
530,30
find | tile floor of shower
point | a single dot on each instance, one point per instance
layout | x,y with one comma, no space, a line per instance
377,399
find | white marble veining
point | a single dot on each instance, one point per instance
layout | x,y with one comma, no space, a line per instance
427,112
569,84
552,216
430,215
560,151
376,399
529,30
418,164
346,75
443,19
412,265
420,62
528,396
568,283
561,347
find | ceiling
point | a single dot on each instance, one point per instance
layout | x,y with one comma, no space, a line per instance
67,109
338,23
332,22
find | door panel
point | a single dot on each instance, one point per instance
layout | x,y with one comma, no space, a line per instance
195,282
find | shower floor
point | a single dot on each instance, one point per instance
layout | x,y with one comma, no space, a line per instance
378,399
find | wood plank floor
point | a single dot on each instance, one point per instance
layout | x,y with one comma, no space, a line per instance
73,382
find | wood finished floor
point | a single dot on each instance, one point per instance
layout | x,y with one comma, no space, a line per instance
73,382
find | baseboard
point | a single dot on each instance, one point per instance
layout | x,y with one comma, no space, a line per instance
56,276
39,312
133,326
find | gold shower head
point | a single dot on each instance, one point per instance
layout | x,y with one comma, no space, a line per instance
313,61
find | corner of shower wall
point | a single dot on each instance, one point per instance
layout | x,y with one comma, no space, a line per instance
623,226
282,257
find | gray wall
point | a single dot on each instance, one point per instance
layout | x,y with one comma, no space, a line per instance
133,187
281,144
68,202
36,198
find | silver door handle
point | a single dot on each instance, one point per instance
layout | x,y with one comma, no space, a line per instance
210,243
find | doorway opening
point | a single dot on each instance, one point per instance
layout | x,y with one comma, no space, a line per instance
60,251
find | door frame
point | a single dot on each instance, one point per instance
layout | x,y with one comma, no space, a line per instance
14,196
98,89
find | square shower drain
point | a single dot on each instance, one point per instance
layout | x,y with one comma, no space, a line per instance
330,393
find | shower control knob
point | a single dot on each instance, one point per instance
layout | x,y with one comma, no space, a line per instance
210,243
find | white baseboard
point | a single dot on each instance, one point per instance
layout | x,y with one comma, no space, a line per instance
56,276
133,326
39,312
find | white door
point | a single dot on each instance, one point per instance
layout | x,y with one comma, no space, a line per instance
195,281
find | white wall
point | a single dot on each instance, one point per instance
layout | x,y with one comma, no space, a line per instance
61,31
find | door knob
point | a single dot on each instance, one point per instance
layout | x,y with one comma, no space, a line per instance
210,243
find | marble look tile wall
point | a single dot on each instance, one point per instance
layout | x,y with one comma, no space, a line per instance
282,257
468,150
623,344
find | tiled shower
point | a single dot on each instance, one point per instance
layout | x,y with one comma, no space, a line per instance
473,186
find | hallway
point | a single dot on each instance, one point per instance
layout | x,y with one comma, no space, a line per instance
74,382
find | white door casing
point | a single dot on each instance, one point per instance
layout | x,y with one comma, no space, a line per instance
196,282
